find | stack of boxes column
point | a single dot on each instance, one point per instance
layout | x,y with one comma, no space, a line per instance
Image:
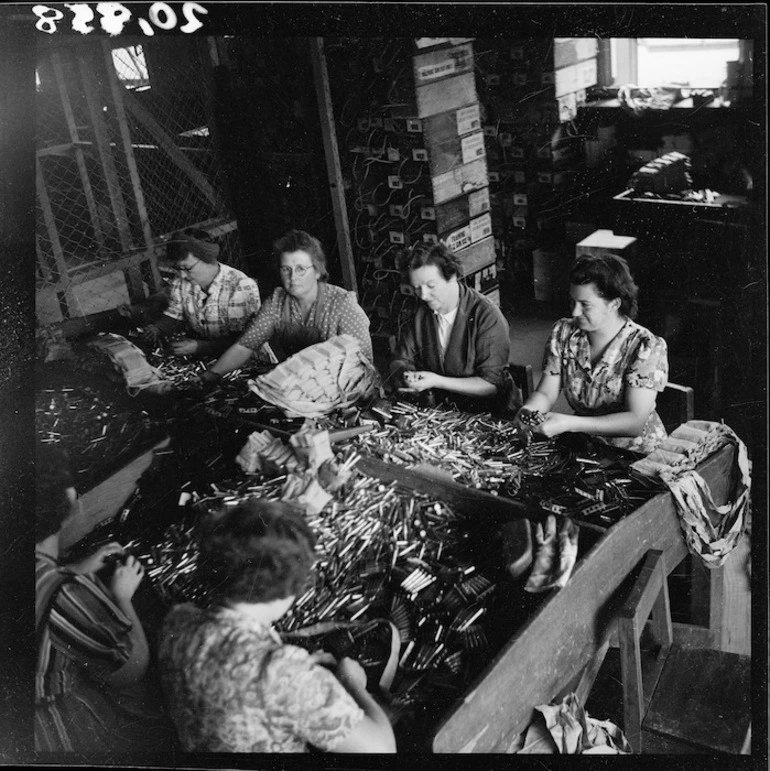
530,90
448,105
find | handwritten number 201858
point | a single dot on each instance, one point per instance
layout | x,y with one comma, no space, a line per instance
114,17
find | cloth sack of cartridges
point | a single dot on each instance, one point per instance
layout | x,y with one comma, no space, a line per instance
131,362
711,531
319,379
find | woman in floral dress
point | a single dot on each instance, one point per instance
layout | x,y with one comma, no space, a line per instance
609,367
232,684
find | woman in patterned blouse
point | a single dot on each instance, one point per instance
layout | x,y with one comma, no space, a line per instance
209,304
232,685
303,311
609,367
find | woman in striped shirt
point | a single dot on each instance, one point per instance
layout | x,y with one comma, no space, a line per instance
92,649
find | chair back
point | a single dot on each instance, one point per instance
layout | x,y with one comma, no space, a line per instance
675,405
522,382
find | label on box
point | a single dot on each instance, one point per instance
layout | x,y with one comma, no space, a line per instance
438,70
473,147
459,239
468,119
480,228
478,202
428,42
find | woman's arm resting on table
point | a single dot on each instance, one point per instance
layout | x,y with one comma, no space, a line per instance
124,583
468,386
215,347
640,402
233,358
545,395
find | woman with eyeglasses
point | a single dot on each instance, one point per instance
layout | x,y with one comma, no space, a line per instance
304,310
609,367
210,303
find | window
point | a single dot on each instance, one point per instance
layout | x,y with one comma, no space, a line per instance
684,62
131,67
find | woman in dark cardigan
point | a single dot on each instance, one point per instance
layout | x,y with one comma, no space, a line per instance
458,342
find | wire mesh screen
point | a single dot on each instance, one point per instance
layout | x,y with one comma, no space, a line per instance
126,155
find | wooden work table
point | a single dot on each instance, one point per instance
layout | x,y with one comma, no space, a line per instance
560,647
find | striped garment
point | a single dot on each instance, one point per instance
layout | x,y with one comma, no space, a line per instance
225,308
82,636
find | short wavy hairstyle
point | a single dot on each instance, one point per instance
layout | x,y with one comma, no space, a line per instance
53,477
612,278
196,241
256,551
296,240
439,255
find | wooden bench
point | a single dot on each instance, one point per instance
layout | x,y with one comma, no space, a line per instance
699,696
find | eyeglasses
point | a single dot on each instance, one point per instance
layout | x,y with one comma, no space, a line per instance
300,270
187,268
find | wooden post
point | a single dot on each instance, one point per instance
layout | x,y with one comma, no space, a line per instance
49,220
117,90
176,156
79,157
337,188
101,138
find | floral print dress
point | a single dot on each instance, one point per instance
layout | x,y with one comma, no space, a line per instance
635,358
233,686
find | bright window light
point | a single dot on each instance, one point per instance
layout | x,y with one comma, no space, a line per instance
683,62
131,67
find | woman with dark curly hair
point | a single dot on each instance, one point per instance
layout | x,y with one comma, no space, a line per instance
232,685
609,367
458,342
92,650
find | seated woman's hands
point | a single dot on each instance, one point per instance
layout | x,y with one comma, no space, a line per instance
547,424
421,381
554,423
97,560
184,347
126,578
